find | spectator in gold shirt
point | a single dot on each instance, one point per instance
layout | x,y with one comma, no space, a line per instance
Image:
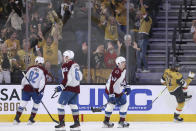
13,45
145,26
111,30
25,57
50,50
121,15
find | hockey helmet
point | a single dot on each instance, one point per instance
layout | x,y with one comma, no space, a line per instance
119,60
39,60
69,54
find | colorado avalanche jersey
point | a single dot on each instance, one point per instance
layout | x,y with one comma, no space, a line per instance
37,77
71,76
116,81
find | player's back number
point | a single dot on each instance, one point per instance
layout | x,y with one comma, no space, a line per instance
33,76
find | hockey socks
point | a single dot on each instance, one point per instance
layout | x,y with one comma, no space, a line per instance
32,116
61,113
122,119
18,114
76,118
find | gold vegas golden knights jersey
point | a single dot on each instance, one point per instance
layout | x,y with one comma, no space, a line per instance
174,80
10,44
111,32
50,52
26,59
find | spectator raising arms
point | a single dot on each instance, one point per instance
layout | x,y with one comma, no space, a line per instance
82,55
50,50
98,57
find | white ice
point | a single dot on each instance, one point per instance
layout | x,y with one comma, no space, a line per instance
97,126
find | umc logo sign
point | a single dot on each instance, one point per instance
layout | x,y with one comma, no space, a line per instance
132,99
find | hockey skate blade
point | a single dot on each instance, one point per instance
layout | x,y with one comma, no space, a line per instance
123,127
119,126
15,122
75,129
60,129
105,126
176,121
188,99
31,123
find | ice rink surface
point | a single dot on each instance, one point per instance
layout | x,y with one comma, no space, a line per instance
97,126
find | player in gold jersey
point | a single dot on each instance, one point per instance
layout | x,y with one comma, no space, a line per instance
177,86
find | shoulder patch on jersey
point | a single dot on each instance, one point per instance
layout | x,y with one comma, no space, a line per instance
117,71
75,65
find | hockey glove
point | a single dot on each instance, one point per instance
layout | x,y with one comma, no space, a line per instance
40,95
112,99
127,91
191,75
59,88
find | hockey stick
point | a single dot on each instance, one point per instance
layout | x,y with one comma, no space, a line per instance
158,96
53,96
99,109
41,100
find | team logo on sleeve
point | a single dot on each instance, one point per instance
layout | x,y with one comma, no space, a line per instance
117,71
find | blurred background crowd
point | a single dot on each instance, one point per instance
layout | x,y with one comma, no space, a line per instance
49,27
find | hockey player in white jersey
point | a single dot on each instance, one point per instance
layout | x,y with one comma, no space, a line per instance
69,88
37,77
116,90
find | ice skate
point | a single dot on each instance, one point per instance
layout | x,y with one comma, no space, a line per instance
60,126
177,118
187,97
107,124
16,121
75,126
123,124
30,122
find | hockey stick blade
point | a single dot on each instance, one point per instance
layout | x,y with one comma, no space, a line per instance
49,113
53,96
98,109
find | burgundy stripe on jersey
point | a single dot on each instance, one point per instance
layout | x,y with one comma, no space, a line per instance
73,89
116,73
66,67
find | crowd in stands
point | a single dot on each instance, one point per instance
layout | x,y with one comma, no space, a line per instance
49,22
